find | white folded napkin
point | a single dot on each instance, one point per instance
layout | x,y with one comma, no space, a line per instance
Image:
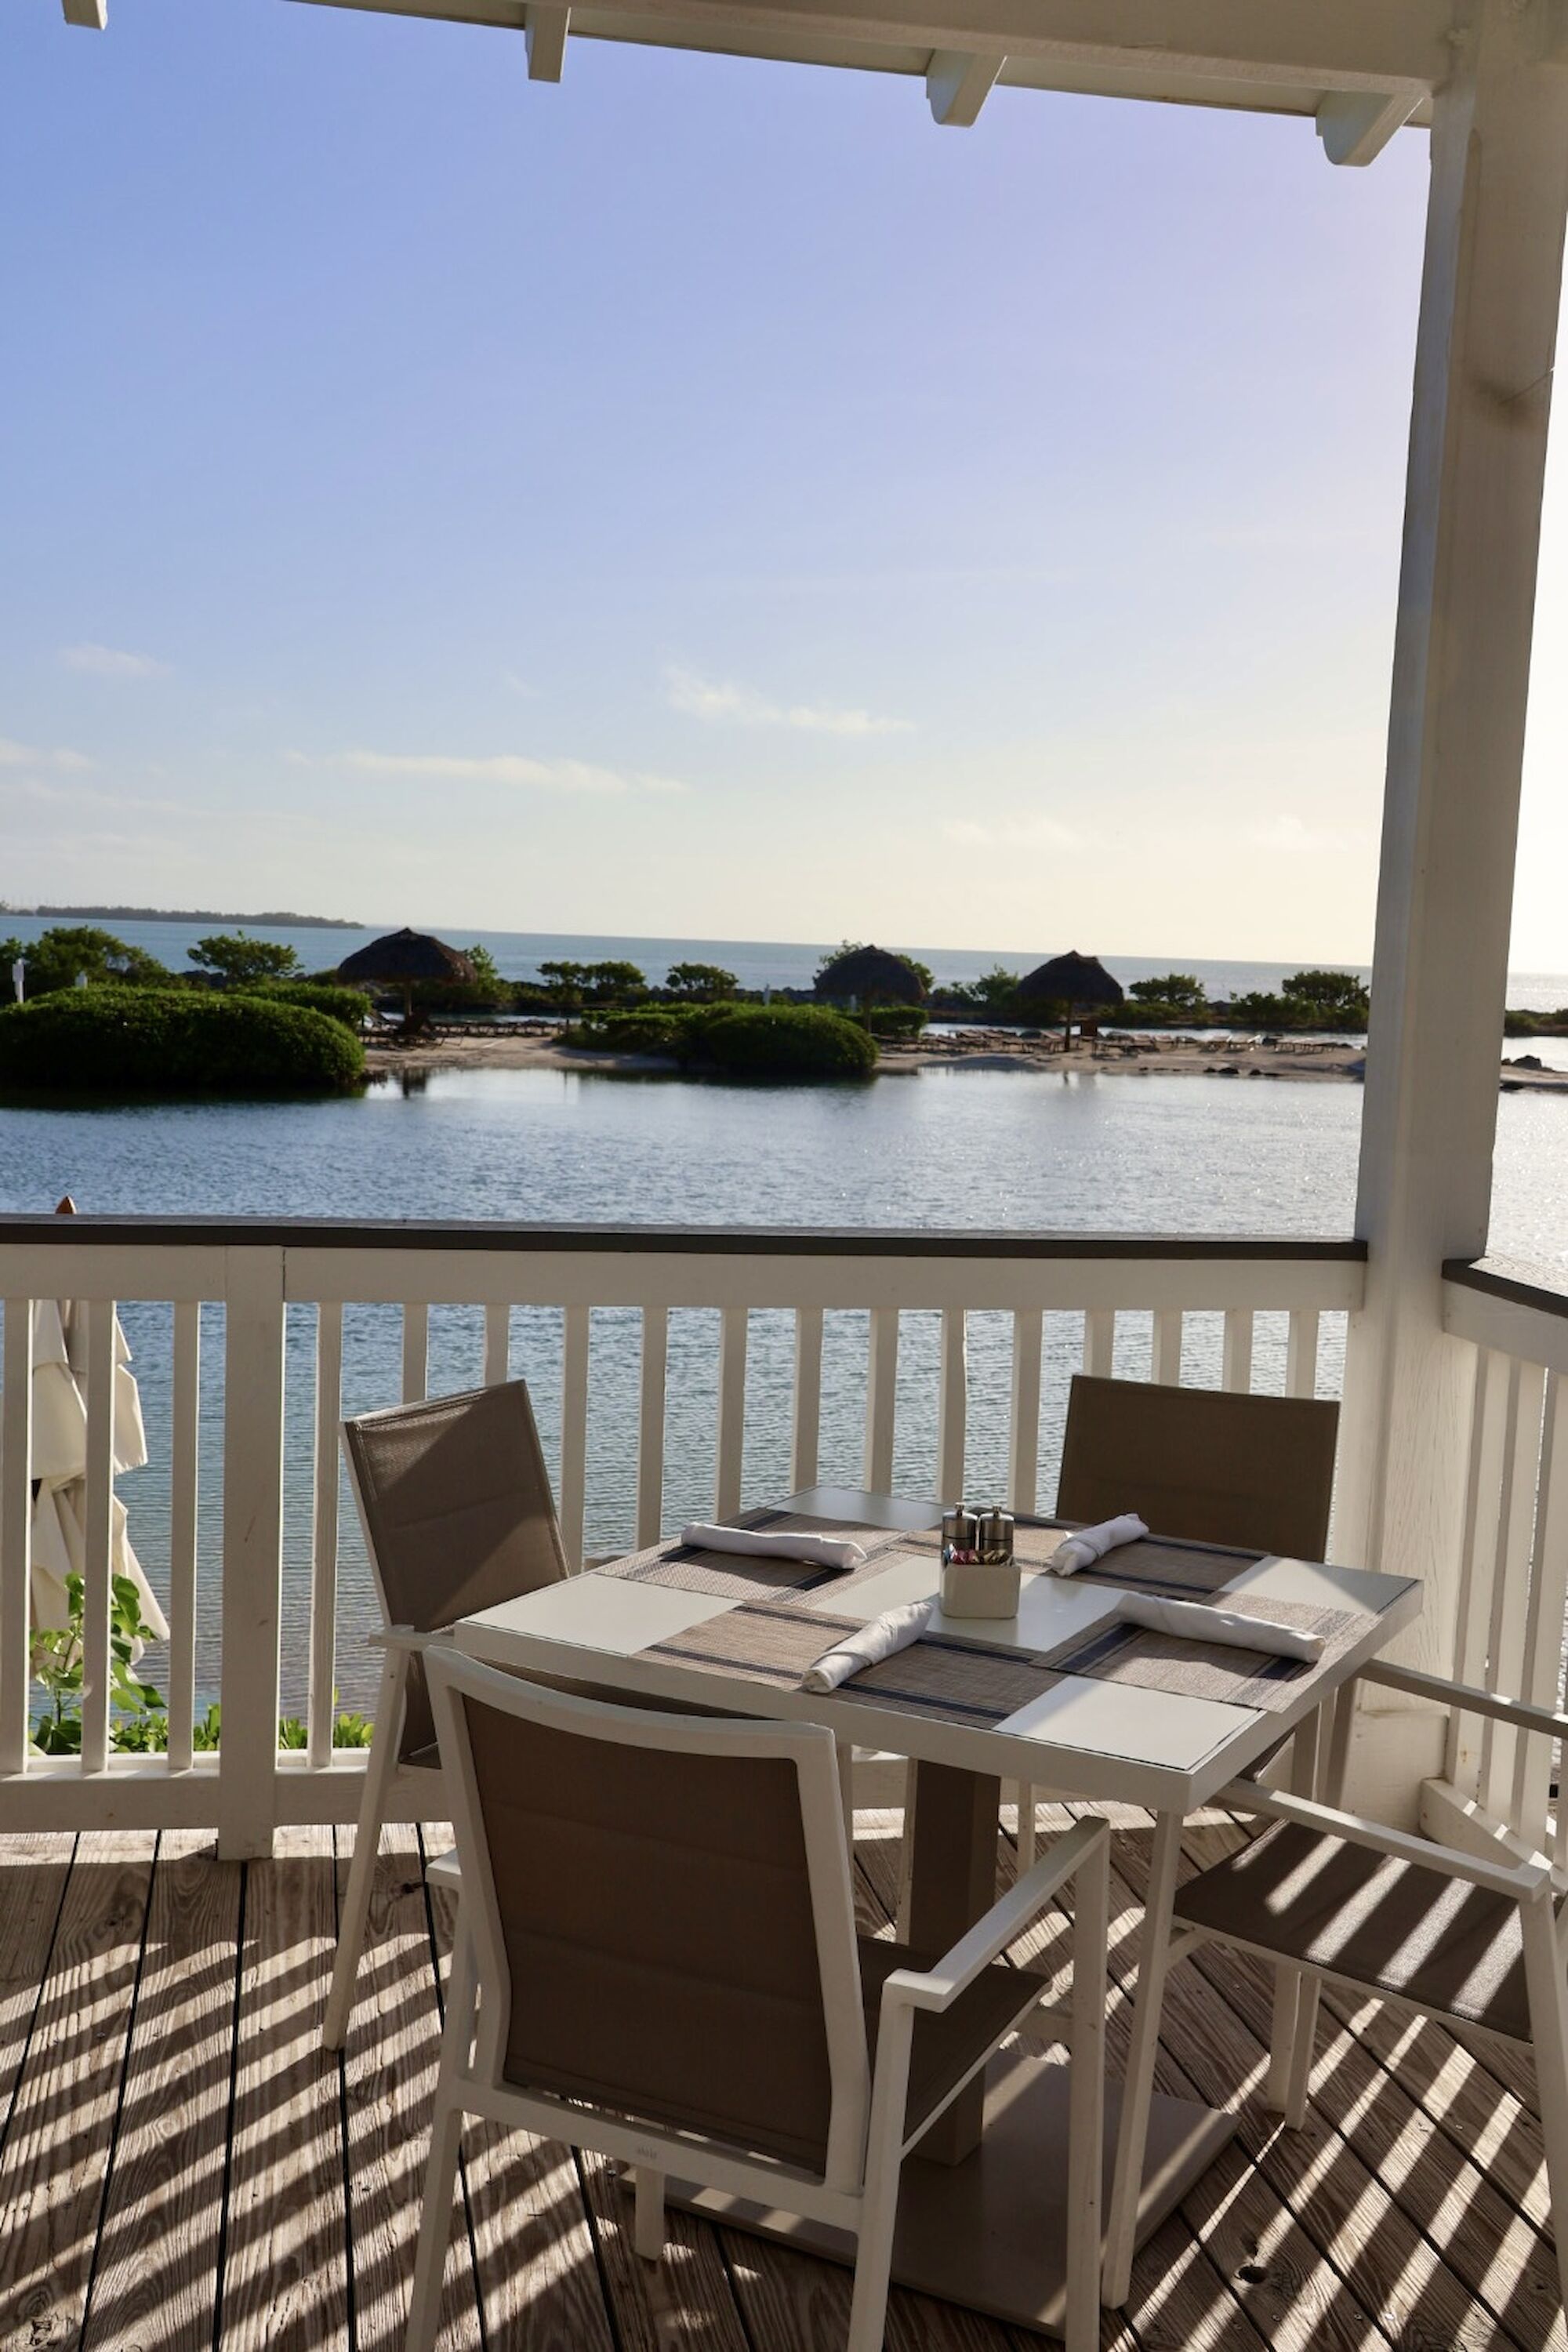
1087,1545
874,1642
821,1551
1192,1621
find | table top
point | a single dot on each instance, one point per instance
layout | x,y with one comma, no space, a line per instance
1062,1694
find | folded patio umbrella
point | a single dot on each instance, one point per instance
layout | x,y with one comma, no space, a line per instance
59,1464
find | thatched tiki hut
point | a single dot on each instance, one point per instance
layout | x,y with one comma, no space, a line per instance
871,976
1074,983
403,959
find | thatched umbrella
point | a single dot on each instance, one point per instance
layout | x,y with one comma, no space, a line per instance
402,959
1080,983
872,976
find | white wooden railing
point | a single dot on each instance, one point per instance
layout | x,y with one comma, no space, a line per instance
1498,1785
257,1322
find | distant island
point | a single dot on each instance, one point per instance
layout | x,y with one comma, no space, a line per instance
276,916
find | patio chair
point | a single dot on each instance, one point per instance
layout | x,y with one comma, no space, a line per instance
458,1513
656,1925
1208,1466
1476,1942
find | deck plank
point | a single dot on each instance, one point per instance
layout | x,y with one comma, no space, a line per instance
33,1873
67,2101
155,2281
393,2048
285,2285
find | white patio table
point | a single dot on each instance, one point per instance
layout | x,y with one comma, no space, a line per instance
1061,1696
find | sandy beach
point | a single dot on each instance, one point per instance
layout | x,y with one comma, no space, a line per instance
1302,1058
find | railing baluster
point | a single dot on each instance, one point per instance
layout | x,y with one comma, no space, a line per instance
806,1427
252,1549
574,1431
734,1324
881,1397
1023,1437
1547,1598
1099,1341
16,1532
1301,1353
1236,1371
185,1456
650,1424
498,1343
415,1351
1510,1600
324,1532
1479,1563
952,1404
1165,1355
98,1539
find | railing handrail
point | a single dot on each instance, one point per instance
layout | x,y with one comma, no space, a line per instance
719,1241
1524,1282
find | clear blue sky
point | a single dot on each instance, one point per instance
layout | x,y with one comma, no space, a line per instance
702,499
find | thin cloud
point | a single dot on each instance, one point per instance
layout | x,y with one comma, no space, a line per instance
503,768
703,698
1012,832
33,755
110,661
1287,836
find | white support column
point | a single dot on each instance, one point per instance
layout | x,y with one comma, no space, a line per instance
252,1549
1483,374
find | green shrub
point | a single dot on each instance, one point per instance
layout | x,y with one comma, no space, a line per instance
786,1041
335,999
173,1041
893,1020
650,1029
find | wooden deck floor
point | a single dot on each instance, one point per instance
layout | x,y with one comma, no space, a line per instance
181,2169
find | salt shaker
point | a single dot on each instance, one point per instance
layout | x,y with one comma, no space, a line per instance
979,1573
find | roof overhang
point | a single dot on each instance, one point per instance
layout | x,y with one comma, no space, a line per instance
1279,56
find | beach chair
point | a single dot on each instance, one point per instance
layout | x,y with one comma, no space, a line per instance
655,1958
458,1513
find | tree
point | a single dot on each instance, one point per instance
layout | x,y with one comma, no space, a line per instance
1328,1000
991,991
486,987
57,956
609,982
1181,992
235,958
700,984
564,980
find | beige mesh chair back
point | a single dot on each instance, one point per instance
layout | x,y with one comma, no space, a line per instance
454,1500
1208,1465
655,1958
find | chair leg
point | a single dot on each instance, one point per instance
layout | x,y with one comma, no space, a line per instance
647,2224
1085,2101
1299,2082
1549,2032
1026,1827
846,1791
435,2221
906,1858
880,2206
1137,2091
367,1839
1282,2038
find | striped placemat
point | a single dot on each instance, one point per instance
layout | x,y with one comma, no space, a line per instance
774,1643
730,1576
1153,1564
1164,1662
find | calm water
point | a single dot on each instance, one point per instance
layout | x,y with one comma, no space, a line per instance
995,1149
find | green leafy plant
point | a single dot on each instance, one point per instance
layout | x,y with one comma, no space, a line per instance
66,952
333,998
59,1659
237,959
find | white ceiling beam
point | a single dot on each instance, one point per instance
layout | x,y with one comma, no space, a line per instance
1355,126
92,14
958,85
1310,46
544,29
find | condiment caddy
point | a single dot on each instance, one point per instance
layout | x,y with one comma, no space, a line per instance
979,1573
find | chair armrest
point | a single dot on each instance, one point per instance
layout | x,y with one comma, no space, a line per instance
1516,1711
937,1988
408,1639
1525,1883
